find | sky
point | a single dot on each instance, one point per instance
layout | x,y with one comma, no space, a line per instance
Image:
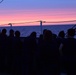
17,11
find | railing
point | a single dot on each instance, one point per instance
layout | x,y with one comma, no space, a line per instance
41,23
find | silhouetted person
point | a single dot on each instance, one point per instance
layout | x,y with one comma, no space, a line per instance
60,39
3,49
17,34
61,34
49,56
10,50
30,45
71,33
40,39
3,33
17,55
11,33
44,32
69,52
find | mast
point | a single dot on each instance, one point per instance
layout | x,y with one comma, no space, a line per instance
41,26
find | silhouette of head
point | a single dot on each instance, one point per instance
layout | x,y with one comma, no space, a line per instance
44,31
33,34
61,34
71,32
48,35
17,33
4,31
11,32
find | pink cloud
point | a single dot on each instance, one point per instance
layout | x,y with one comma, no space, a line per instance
12,16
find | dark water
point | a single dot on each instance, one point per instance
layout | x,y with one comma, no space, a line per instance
26,30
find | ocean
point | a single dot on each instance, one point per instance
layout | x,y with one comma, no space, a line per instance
26,30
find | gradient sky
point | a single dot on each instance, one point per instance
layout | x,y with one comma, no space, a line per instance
14,11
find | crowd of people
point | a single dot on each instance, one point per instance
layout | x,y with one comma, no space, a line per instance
47,54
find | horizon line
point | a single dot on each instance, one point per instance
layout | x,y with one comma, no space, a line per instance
67,21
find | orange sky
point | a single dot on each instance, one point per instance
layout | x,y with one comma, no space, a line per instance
17,16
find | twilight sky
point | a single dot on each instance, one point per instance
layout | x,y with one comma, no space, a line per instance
14,11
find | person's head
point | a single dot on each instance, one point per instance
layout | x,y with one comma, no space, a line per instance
11,32
44,31
71,32
4,31
61,34
17,33
33,34
48,35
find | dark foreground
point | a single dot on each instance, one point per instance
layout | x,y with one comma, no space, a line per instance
46,55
